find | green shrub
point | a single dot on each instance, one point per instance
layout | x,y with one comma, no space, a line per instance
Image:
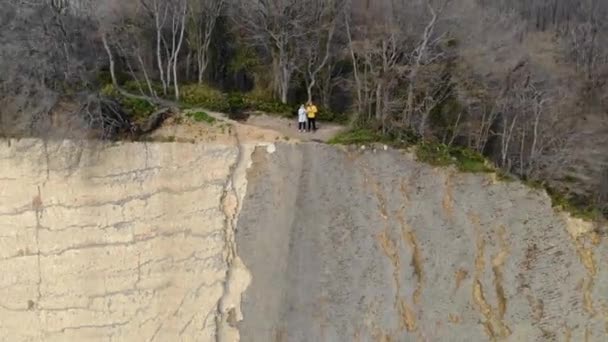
139,109
236,103
434,154
133,87
202,117
136,108
580,209
268,106
204,96
466,160
357,136
329,116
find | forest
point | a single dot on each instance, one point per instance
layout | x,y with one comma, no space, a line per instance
520,83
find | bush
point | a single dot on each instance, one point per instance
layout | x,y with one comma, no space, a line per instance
133,87
268,106
202,117
139,109
466,160
136,108
236,103
329,116
204,96
577,208
434,154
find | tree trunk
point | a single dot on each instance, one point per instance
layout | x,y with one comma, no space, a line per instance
188,65
379,101
104,40
309,89
178,48
146,77
159,41
355,69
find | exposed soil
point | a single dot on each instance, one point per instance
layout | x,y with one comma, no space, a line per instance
259,127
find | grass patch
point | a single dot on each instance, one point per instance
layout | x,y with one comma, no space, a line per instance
356,136
578,209
202,117
466,160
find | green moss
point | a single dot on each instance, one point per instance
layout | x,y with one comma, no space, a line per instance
202,117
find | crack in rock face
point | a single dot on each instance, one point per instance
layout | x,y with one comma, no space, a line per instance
129,244
244,240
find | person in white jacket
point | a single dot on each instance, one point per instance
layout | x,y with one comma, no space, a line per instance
302,118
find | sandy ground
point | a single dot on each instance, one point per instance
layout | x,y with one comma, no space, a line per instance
258,128
287,127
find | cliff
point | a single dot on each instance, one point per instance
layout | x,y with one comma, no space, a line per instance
283,242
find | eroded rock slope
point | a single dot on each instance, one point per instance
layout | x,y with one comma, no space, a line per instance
373,246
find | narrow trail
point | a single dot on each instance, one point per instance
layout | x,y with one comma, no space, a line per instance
289,128
283,128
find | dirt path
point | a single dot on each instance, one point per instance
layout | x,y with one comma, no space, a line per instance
259,127
289,127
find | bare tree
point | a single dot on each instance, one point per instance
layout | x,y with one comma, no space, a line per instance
203,15
276,26
178,27
169,18
422,55
316,46
388,54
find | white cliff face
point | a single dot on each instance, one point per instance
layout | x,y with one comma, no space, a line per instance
125,242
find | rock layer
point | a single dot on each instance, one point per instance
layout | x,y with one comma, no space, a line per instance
122,242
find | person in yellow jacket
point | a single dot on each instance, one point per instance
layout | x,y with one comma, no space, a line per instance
311,113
